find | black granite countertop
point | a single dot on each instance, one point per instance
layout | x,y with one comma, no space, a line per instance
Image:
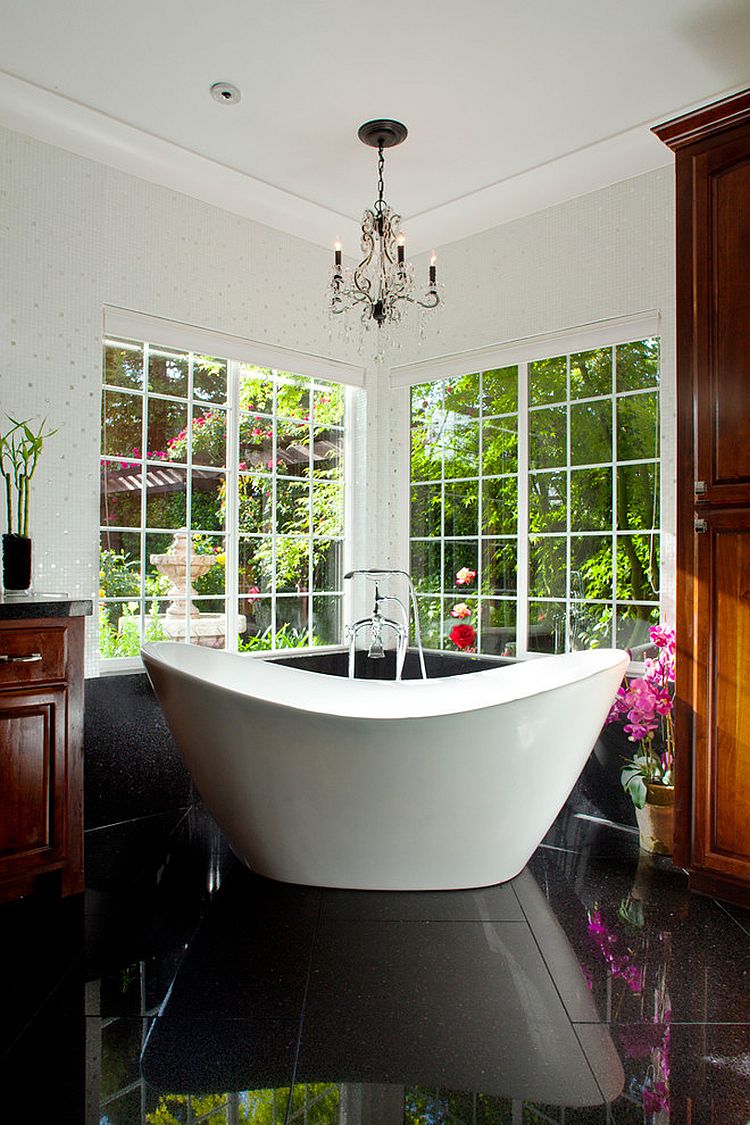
28,604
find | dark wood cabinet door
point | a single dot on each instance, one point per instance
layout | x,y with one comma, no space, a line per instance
33,758
721,814
721,224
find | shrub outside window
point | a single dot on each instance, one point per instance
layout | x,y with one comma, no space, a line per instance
535,503
222,503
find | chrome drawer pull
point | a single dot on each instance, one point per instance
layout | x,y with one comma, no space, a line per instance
29,658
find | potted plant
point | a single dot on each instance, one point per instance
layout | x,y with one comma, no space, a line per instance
646,703
20,449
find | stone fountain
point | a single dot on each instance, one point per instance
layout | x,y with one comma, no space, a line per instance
207,629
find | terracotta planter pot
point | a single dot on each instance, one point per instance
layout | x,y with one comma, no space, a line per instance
656,820
16,562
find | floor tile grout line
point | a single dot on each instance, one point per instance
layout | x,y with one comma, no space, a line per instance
300,1029
729,914
560,997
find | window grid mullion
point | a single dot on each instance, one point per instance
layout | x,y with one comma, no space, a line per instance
232,506
522,527
144,492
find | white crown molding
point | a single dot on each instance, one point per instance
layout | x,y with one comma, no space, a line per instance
57,120
60,121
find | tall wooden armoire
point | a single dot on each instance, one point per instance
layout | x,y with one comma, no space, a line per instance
712,789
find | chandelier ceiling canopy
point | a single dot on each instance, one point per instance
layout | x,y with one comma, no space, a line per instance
383,279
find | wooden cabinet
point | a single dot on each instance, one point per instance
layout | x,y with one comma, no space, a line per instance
41,754
712,148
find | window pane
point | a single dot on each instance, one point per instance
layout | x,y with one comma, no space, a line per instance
591,373
632,627
591,499
637,365
255,503
166,497
461,565
122,425
638,427
500,446
548,431
547,567
328,451
120,494
590,625
292,563
328,404
500,391
293,448
257,635
255,565
425,565
427,423
256,442
426,509
638,568
499,566
209,436
591,567
256,389
591,433
328,508
461,507
167,430
292,505
547,501
461,446
209,379
500,505
119,566
167,372
498,633
327,568
638,496
212,579
547,381
430,621
293,396
208,508
547,627
326,620
123,364
292,622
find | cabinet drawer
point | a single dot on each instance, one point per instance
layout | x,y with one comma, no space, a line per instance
29,656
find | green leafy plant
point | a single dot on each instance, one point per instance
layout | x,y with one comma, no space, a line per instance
20,449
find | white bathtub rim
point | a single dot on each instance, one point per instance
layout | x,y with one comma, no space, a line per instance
318,693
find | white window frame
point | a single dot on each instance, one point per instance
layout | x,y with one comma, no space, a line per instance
520,353
122,324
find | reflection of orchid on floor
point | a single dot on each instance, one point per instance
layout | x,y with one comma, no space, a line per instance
649,1039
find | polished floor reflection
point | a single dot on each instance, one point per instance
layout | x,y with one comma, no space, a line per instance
181,988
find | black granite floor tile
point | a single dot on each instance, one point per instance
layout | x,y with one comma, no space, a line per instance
41,941
692,1073
194,1055
639,933
575,831
740,915
117,854
497,904
465,1005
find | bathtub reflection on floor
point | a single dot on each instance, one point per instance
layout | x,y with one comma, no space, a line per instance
479,1004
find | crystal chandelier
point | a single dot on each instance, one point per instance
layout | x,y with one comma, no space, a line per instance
383,279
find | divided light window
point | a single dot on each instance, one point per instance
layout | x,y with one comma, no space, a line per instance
241,470
535,503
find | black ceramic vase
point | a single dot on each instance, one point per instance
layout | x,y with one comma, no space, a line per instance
16,562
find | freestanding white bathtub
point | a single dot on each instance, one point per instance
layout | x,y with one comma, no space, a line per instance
421,785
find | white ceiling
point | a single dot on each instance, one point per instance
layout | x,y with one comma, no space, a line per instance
511,105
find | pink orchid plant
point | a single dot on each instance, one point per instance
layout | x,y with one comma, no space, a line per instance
646,704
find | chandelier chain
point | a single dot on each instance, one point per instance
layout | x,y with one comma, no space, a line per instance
381,181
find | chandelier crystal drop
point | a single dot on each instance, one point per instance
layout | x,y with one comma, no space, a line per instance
383,279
